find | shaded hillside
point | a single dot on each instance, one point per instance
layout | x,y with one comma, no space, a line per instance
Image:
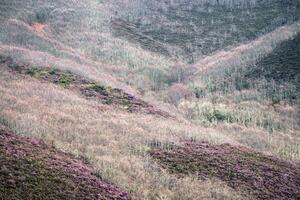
262,176
31,169
282,65
190,29
273,75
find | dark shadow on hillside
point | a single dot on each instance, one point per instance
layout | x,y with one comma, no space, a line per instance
195,28
282,65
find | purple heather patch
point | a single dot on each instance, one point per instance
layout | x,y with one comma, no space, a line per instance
31,169
259,175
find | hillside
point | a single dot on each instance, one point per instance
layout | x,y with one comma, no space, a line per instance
44,172
190,29
282,65
162,100
240,167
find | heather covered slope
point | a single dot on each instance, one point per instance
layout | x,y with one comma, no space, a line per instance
260,175
32,169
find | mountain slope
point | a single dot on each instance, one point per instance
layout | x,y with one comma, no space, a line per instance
190,29
282,65
31,169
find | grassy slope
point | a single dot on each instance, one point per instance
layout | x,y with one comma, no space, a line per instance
114,141
79,32
85,87
260,96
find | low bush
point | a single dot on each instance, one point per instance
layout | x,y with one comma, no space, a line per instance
247,115
40,15
199,92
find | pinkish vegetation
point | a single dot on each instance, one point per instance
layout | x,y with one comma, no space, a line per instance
31,169
261,176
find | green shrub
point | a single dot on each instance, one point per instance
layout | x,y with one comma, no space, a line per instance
98,88
246,115
40,15
62,78
37,73
219,116
275,99
242,84
291,95
199,92
66,79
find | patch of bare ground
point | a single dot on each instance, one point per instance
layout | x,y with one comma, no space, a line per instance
89,89
259,175
32,169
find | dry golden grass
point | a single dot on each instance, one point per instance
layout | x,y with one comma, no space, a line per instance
115,142
75,47
93,71
264,127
